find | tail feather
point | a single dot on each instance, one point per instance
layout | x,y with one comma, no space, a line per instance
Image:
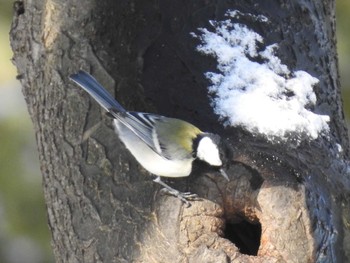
102,96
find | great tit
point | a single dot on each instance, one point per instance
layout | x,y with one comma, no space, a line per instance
163,146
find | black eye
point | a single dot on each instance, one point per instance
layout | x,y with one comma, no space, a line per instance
222,155
225,152
194,154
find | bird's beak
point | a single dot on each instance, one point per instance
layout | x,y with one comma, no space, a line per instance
224,174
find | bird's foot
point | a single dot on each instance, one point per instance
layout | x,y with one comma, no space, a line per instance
184,197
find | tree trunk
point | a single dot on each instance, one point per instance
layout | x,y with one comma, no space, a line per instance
284,202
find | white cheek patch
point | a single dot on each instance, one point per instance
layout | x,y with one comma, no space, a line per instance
208,151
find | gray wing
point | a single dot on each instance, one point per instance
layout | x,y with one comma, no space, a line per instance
143,125
157,133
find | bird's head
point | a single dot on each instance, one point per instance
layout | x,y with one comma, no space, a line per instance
211,149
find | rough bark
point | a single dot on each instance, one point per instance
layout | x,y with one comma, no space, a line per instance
103,207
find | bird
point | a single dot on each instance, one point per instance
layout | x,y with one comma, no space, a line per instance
164,146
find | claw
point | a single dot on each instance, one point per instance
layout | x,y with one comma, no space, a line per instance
184,197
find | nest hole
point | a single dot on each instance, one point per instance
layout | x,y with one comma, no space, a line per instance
245,235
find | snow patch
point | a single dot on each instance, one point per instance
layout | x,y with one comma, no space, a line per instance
263,97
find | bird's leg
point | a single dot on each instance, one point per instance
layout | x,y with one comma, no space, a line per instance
184,197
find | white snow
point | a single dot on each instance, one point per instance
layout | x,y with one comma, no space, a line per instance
339,148
263,97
